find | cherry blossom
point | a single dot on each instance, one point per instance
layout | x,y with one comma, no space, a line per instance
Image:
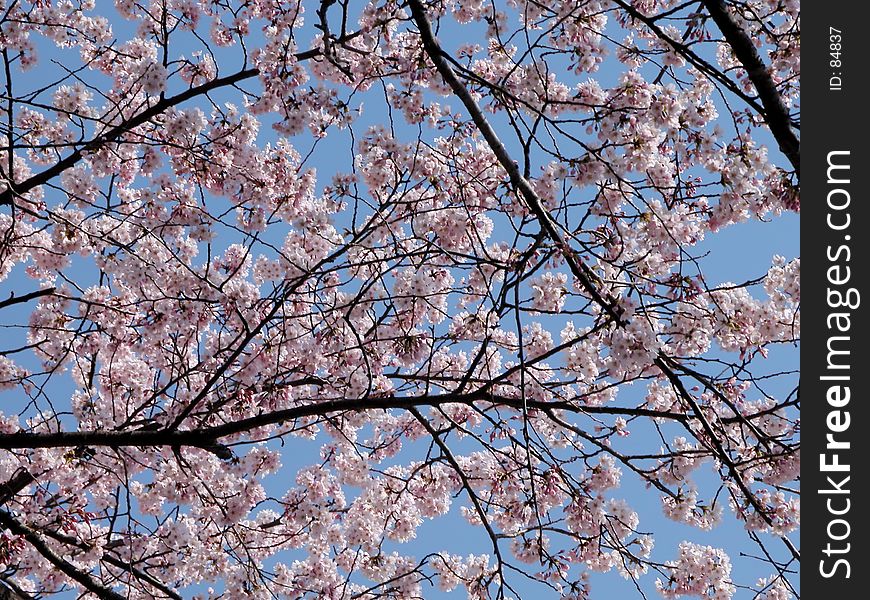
292,285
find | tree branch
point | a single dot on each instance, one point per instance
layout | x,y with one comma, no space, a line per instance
578,268
86,581
775,112
771,108
13,299
207,437
16,483
43,177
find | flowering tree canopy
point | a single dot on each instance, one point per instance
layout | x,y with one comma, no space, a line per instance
287,280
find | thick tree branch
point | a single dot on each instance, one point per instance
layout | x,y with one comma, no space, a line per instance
85,580
689,55
578,268
13,299
116,562
18,189
16,483
208,437
771,108
775,111
43,177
